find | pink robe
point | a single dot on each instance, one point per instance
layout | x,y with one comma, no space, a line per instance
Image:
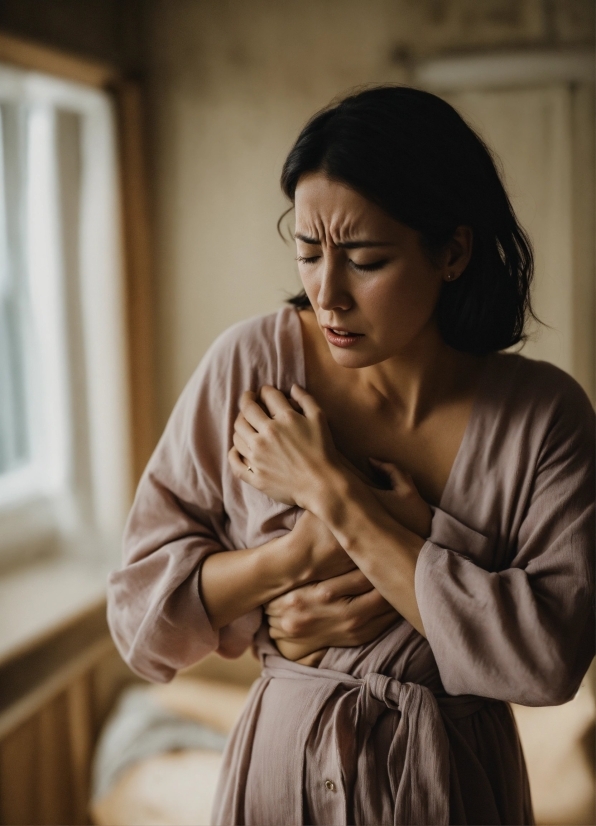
404,730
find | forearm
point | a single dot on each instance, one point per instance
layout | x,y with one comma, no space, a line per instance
233,583
384,550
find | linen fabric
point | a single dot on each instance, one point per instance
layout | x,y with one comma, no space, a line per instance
403,730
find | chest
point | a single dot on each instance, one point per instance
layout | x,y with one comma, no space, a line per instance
426,451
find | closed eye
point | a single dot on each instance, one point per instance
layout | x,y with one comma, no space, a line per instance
376,265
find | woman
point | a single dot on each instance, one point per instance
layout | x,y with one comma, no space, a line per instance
441,564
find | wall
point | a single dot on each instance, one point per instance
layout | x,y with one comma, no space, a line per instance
109,30
231,84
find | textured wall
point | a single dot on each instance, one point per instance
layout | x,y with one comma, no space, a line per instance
102,29
231,82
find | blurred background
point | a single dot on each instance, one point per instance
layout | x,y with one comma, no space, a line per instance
141,147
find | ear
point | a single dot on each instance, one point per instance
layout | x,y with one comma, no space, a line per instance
457,253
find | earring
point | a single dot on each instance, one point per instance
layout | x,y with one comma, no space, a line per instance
450,276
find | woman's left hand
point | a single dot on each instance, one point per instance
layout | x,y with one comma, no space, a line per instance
402,501
281,449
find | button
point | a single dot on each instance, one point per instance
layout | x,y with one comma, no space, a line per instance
330,785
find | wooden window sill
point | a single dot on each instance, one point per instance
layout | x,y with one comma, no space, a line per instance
39,600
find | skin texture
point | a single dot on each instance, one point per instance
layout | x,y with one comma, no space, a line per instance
368,274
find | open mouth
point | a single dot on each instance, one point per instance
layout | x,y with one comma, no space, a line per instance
341,338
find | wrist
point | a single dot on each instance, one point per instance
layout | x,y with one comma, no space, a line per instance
328,494
282,566
352,512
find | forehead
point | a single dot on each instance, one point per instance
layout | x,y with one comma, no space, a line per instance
322,203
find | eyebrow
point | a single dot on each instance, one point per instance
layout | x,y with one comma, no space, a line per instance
346,245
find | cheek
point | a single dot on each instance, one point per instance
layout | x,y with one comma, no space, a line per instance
405,302
310,282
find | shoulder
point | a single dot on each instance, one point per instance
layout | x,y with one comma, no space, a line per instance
261,334
260,350
545,383
264,349
553,403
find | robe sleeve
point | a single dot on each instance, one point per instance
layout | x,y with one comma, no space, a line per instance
524,634
155,612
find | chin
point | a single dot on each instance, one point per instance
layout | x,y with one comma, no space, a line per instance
352,359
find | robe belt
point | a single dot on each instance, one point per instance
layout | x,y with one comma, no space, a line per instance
419,752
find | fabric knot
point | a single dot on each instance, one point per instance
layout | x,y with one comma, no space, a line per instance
378,685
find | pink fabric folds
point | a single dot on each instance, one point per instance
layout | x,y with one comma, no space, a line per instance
419,753
505,587
371,740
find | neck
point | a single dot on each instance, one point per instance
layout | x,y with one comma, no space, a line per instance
417,379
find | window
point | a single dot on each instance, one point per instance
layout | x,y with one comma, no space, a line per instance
64,430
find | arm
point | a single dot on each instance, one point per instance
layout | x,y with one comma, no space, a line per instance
524,634
384,548
236,582
186,509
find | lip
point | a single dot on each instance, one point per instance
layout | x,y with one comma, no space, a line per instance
342,340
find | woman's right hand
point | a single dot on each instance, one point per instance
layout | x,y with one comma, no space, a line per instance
344,610
315,553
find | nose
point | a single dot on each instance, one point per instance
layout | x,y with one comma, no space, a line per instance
333,291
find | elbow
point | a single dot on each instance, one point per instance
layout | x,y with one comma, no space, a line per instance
135,655
130,638
550,689
148,670
552,681
525,684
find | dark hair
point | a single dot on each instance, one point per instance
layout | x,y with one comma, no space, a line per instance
411,153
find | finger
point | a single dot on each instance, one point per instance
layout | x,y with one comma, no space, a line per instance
401,482
244,428
318,594
370,605
307,402
239,468
295,600
275,633
252,410
242,447
275,608
247,397
274,399
353,583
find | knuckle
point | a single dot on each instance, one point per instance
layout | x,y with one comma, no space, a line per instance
326,594
353,624
267,431
295,601
292,626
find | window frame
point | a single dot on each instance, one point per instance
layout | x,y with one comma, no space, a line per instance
30,528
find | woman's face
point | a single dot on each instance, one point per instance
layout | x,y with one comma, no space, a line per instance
371,284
